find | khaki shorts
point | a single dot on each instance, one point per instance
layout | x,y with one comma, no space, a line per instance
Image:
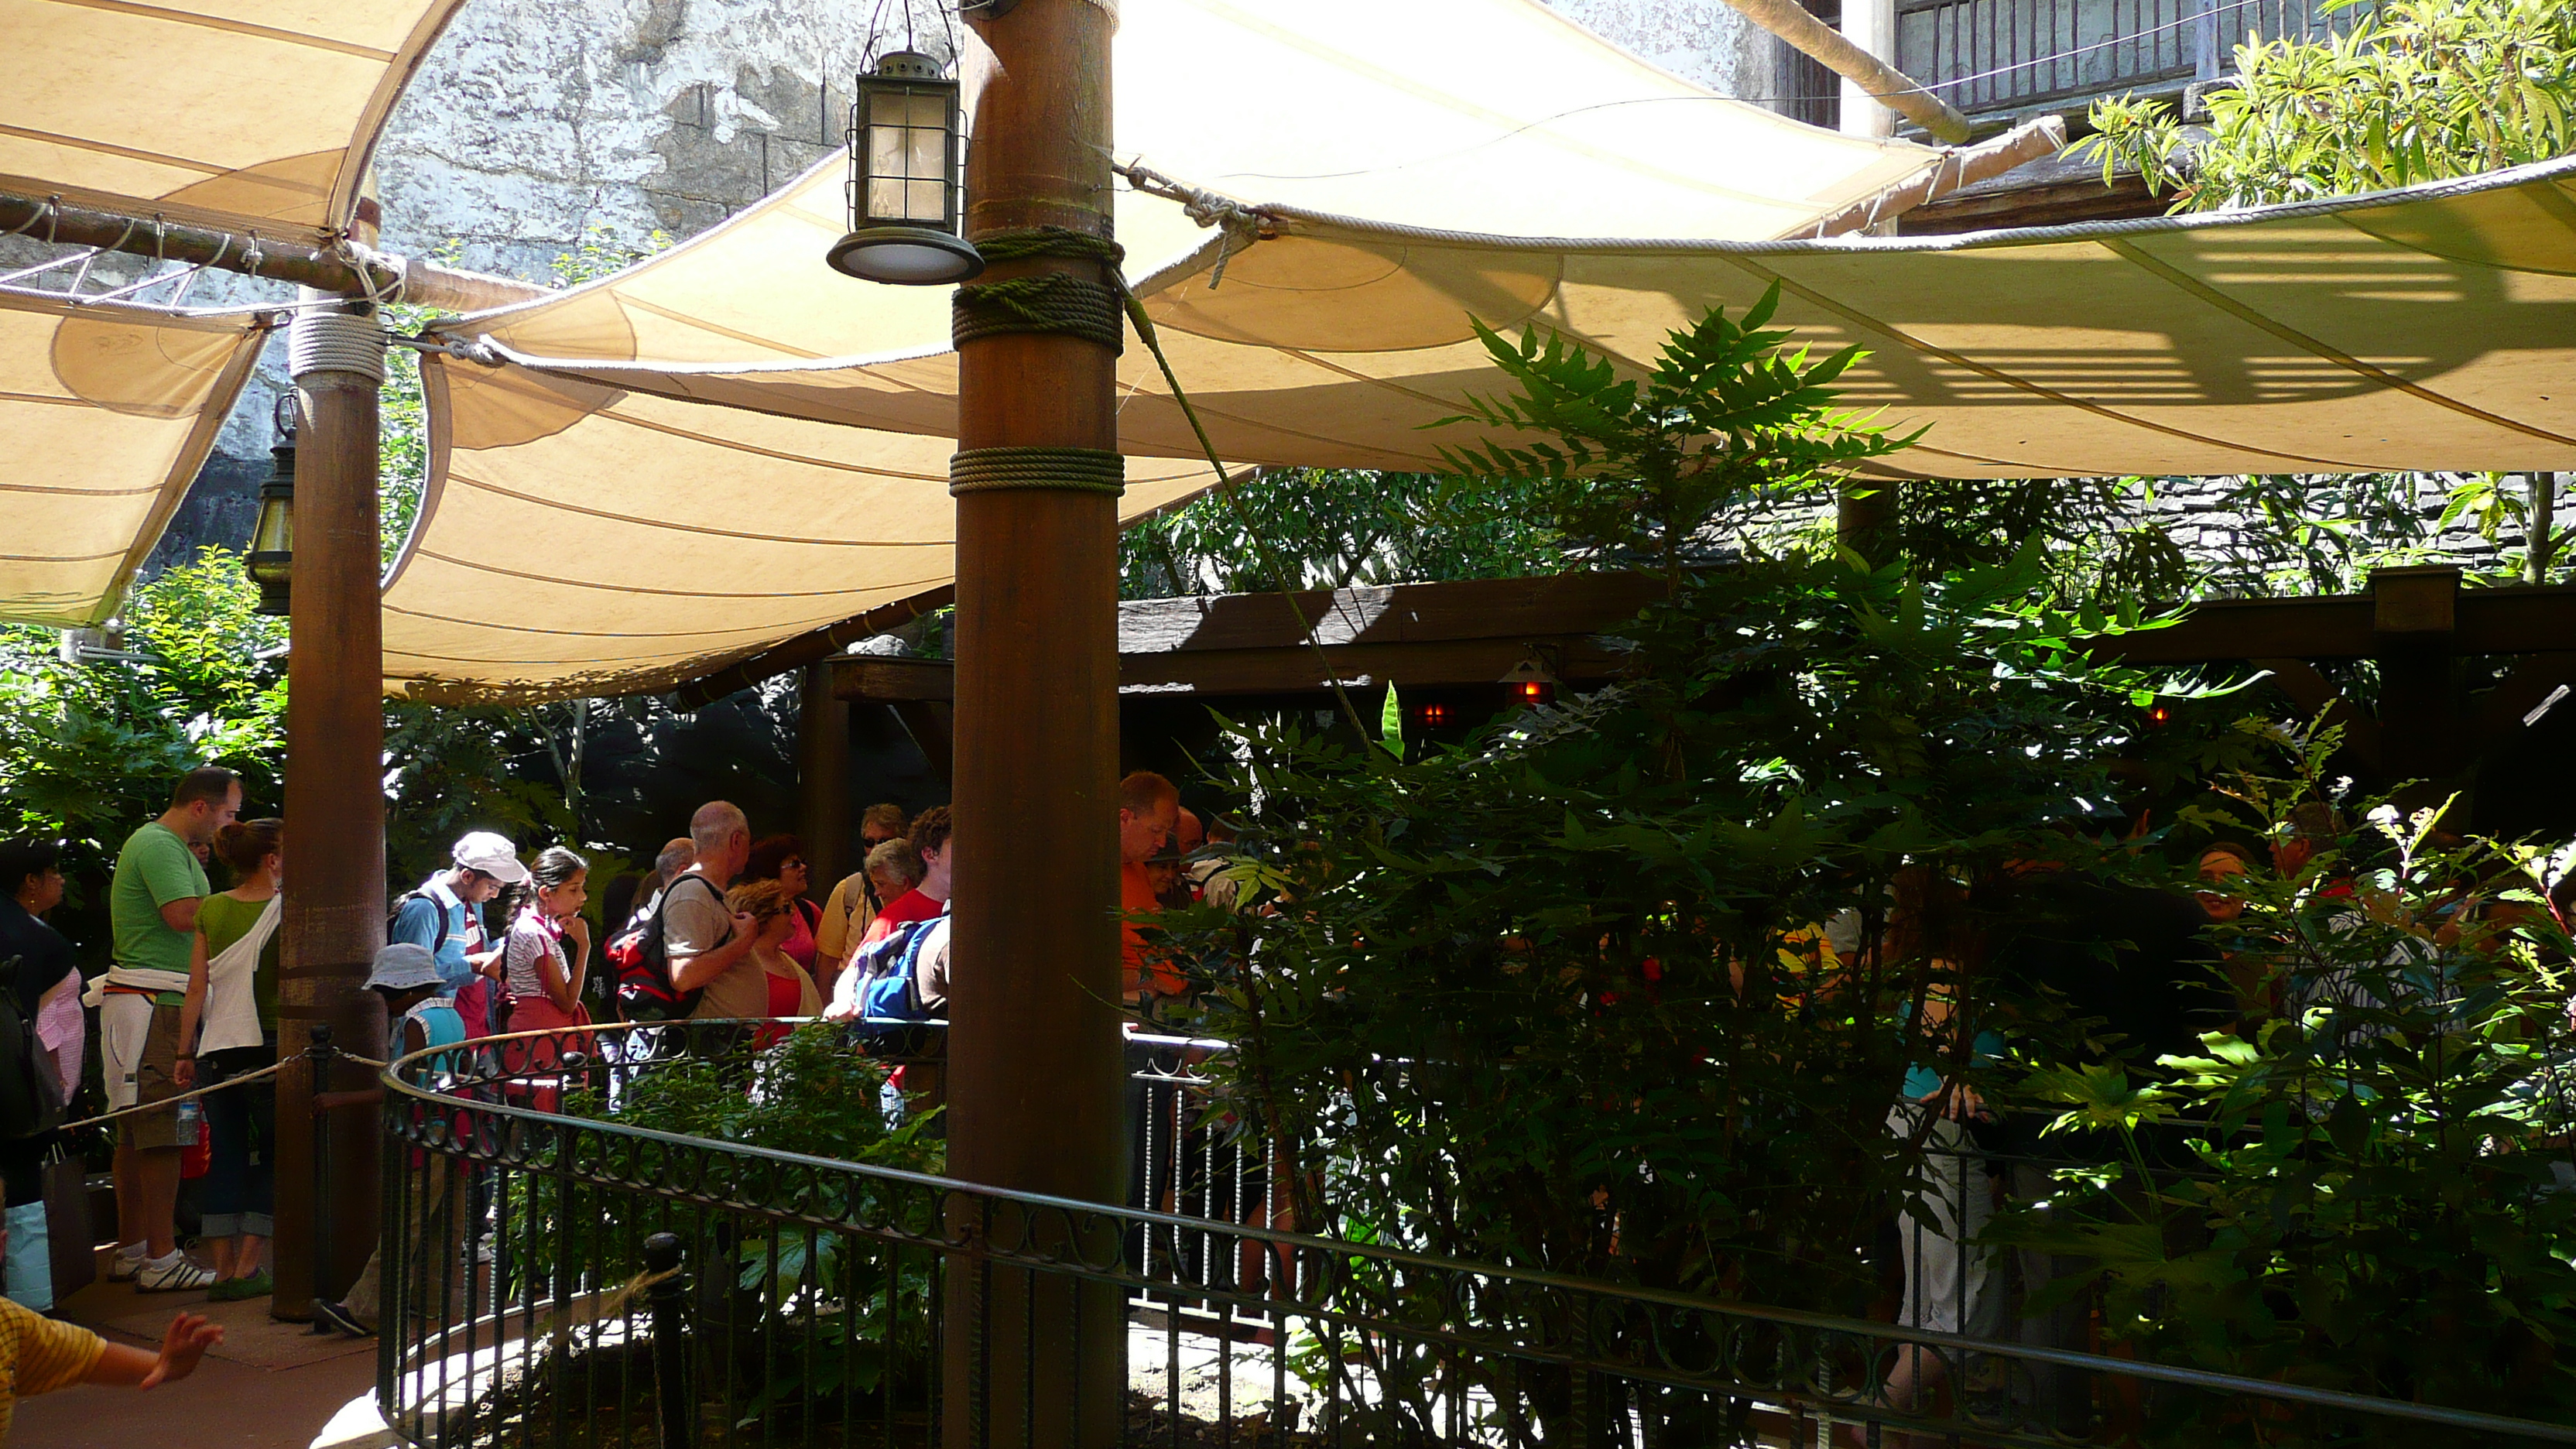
140,1039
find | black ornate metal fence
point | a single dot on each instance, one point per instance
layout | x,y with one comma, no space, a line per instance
554,1280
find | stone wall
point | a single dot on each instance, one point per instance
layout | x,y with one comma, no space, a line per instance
537,125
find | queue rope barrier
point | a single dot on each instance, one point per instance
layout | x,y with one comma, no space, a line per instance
244,1079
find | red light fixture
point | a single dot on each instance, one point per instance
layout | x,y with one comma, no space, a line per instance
1530,683
1433,716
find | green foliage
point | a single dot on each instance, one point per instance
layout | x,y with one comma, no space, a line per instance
2521,524
2422,90
1633,471
817,1097
1559,998
846,1313
1333,528
2374,1193
2321,533
2097,536
88,751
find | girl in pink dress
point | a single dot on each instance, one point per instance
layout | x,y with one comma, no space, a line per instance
545,954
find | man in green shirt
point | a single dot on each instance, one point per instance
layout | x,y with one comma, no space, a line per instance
152,905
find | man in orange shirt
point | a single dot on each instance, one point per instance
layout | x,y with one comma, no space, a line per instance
1148,805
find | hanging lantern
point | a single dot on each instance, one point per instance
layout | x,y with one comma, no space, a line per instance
904,190
271,563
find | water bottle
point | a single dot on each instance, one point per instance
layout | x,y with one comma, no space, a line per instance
191,1123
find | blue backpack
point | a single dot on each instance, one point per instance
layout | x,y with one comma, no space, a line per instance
890,968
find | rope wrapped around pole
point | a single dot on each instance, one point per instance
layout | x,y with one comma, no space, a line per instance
1044,302
1062,470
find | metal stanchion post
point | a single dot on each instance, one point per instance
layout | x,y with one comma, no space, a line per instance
318,1059
673,1395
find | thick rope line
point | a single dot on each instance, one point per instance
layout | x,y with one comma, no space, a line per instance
1050,302
245,1079
1069,470
1054,303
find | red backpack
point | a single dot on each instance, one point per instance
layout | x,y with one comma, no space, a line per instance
642,961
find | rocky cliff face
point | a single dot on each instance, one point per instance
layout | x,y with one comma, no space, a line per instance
538,126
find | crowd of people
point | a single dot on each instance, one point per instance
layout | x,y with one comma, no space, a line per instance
724,925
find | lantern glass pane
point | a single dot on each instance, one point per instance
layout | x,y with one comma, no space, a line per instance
926,153
885,199
927,108
889,107
885,150
275,531
926,201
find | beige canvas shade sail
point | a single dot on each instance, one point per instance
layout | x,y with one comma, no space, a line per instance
582,541
594,528
236,114
108,412
2423,329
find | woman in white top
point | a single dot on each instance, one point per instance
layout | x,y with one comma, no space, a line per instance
548,949
228,1029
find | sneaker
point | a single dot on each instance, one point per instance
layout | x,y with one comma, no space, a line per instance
124,1263
234,1290
174,1274
325,1311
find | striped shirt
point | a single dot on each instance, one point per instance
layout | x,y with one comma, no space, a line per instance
39,1355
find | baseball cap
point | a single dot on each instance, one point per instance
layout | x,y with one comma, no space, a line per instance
404,966
493,855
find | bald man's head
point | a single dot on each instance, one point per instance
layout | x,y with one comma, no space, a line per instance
722,835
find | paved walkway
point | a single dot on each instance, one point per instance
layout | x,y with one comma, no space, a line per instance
270,1386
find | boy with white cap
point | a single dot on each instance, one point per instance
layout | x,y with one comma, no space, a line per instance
446,916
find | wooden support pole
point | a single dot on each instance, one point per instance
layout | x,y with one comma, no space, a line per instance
1877,79
823,777
1036,1075
335,806
352,270
2027,142
1866,517
1870,26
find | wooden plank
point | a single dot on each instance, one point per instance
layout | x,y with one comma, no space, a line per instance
884,679
1551,606
1286,669
2335,627
1438,662
2515,621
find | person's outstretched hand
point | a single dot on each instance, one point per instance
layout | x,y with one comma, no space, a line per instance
187,1340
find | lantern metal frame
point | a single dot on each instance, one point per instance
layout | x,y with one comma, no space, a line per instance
903,245
1530,681
270,560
